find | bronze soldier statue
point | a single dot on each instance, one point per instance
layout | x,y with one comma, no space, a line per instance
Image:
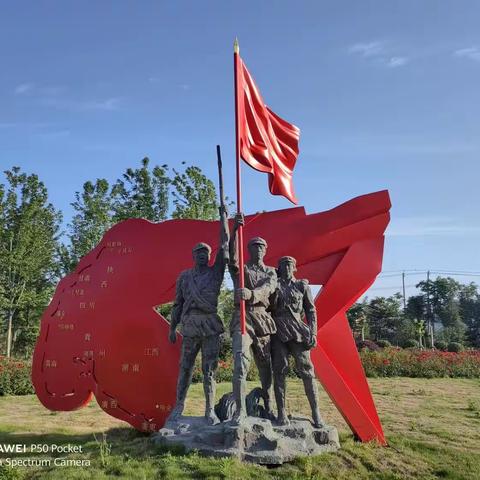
291,301
260,283
195,309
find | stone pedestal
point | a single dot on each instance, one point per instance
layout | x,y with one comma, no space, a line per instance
256,440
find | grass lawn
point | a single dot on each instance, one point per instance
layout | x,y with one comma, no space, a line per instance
432,425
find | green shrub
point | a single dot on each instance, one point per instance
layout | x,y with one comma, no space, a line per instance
225,347
441,345
383,343
15,377
455,347
411,343
367,345
397,362
385,362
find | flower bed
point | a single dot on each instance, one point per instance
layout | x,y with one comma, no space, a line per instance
387,362
15,377
397,362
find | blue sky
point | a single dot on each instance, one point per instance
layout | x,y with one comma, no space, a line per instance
386,95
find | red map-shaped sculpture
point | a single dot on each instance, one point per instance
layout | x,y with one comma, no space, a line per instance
102,336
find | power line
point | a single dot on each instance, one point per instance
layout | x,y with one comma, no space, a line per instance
424,272
404,273
399,287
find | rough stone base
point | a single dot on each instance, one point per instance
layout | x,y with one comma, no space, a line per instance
257,440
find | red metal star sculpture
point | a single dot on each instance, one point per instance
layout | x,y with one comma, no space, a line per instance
101,334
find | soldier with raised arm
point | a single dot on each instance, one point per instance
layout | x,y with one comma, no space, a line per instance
260,283
291,302
195,310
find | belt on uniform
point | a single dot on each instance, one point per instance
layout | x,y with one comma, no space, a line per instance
197,311
249,308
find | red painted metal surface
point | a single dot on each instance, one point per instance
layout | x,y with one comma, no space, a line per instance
101,335
265,141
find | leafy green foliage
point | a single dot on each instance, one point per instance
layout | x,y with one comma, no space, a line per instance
93,216
358,319
455,347
31,256
141,193
441,345
469,306
194,195
453,307
397,362
29,230
384,317
443,295
15,377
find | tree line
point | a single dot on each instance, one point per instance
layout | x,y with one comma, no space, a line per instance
444,312
36,251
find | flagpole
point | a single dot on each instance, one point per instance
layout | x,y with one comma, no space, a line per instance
241,273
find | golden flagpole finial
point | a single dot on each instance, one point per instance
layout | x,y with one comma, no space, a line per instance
236,48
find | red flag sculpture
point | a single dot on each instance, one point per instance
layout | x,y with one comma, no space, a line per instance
267,142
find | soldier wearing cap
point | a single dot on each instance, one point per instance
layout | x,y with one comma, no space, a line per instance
260,283
195,310
291,302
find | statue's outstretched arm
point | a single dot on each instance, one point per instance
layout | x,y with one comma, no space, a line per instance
223,254
233,250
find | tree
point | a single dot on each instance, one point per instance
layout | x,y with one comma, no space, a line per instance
416,307
142,193
420,329
469,304
358,318
194,195
29,227
442,295
226,306
384,317
92,218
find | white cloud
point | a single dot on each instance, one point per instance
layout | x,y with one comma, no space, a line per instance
430,226
472,53
377,52
54,96
395,62
24,88
108,104
367,49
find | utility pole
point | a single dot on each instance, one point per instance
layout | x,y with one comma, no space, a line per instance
429,312
403,286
